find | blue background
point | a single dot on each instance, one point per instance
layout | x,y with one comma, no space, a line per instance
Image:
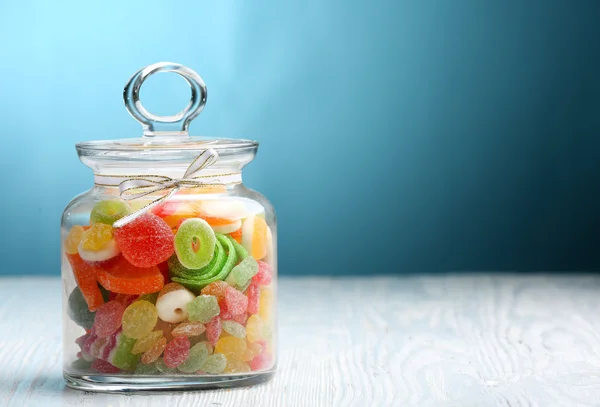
396,136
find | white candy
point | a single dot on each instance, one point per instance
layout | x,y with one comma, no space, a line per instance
172,306
227,228
108,251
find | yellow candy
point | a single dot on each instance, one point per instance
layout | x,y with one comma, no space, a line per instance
236,366
96,237
265,303
254,328
231,347
73,239
145,343
139,319
253,349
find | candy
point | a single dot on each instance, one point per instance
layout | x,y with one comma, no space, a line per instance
253,349
73,238
265,303
143,369
152,297
237,235
240,318
175,212
243,272
270,256
231,347
109,211
254,328
120,276
189,329
219,212
139,319
237,303
145,343
108,319
122,357
97,244
196,357
85,276
214,364
261,362
234,329
104,367
177,351
194,243
213,330
145,241
152,354
264,275
254,236
172,302
203,308
165,327
236,366
216,288
163,368
78,309
224,227
253,293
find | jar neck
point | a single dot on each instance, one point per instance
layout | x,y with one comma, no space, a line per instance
202,178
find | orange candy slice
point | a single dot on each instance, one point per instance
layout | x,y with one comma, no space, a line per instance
123,277
85,276
254,236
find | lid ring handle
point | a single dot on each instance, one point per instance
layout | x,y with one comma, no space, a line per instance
154,125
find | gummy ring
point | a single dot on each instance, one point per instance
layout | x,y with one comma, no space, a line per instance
194,243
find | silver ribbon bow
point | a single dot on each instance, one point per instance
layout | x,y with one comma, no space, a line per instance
151,184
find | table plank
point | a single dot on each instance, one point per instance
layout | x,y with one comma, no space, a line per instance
466,340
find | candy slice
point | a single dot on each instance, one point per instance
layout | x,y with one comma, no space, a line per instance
145,343
234,329
177,351
214,364
146,241
231,347
85,276
73,238
123,277
237,235
175,212
203,308
243,272
196,357
194,243
223,210
109,211
152,354
172,302
139,319
189,329
97,244
108,319
254,236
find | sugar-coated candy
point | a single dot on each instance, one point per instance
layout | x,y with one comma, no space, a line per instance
175,212
203,308
253,349
73,239
218,212
213,330
146,241
234,329
120,276
166,328
109,211
254,328
122,357
146,369
97,244
214,364
139,319
254,236
240,318
177,351
80,364
163,368
237,302
216,288
253,294
237,235
261,362
189,329
194,243
243,272
225,226
78,309
172,302
152,297
265,303
270,256
108,319
231,347
104,367
146,342
152,354
116,349
85,276
164,270
236,366
264,275
197,355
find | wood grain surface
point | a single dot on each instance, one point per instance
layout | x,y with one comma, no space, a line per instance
461,341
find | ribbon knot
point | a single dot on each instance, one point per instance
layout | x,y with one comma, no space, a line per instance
151,184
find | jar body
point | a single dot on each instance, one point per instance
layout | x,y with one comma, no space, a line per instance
183,296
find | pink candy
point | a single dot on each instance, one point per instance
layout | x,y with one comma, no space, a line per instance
177,351
213,330
236,302
264,275
108,318
253,294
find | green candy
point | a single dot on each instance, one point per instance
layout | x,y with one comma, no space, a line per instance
234,329
151,298
160,365
78,308
240,250
194,243
122,356
143,369
197,356
203,308
242,273
214,364
109,211
81,364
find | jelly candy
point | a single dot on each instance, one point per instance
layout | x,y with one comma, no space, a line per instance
145,343
121,356
216,288
253,293
108,319
146,241
139,319
237,235
85,276
109,211
254,236
78,309
164,270
203,308
194,243
214,364
143,369
270,256
264,275
80,364
189,329
177,351
234,329
243,272
265,303
165,327
104,367
261,362
97,244
120,276
231,347
172,302
151,298
152,354
163,368
253,349
236,366
223,213
175,212
240,318
196,357
225,226
237,303
73,238
254,328
213,330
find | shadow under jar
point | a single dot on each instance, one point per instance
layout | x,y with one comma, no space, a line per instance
169,263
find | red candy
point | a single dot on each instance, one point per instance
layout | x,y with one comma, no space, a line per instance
104,367
213,330
108,318
146,241
253,294
177,351
260,362
263,277
236,302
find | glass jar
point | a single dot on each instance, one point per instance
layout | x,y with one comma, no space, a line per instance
169,263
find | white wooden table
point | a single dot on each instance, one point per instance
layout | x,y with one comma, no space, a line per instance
416,341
